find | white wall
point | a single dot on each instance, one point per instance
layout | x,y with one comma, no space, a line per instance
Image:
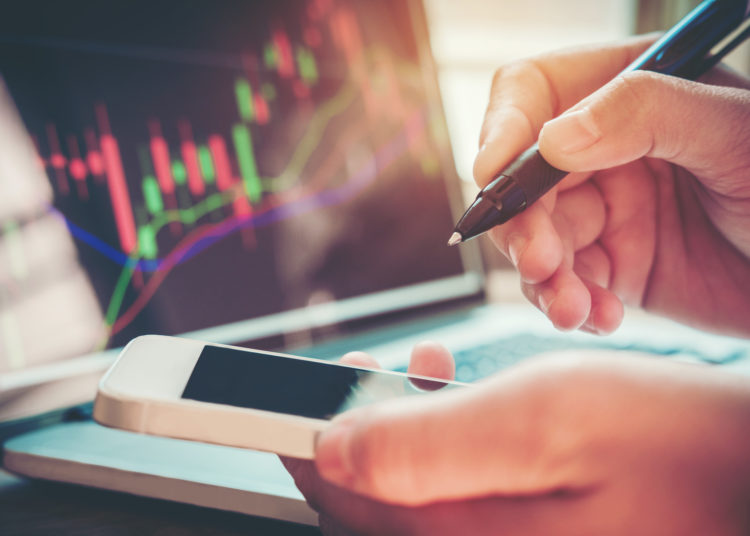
471,38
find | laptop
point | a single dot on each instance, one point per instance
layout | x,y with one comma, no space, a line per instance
275,175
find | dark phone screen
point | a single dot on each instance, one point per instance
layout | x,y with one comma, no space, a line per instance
293,386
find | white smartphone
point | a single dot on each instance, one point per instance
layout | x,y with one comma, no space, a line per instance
188,389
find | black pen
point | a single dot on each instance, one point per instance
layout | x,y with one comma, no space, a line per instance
683,51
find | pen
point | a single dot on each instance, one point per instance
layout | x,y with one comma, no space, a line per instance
683,51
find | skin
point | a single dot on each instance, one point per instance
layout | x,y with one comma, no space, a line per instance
567,444
659,201
656,214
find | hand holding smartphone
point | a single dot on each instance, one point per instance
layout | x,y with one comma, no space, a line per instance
232,396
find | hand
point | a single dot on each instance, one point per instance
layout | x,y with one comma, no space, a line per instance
561,445
657,210
337,505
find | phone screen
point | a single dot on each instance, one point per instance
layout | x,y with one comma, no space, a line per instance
293,386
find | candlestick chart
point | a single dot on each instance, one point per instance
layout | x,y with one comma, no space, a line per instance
227,160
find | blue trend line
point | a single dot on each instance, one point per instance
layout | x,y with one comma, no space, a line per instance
382,159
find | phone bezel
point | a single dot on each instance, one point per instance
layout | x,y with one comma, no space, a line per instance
142,392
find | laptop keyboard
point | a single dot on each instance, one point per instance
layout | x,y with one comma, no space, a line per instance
483,360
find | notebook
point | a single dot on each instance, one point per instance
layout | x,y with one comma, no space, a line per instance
276,175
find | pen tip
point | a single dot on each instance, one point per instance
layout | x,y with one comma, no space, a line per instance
455,239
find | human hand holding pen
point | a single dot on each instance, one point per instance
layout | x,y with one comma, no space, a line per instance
657,210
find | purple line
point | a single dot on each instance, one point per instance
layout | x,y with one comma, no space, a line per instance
384,157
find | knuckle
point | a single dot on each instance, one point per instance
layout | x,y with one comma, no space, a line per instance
520,89
502,75
631,91
516,71
637,82
632,94
640,96
638,92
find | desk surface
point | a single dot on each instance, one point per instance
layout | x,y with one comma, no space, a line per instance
35,507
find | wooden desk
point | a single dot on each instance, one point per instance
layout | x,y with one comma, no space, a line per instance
45,508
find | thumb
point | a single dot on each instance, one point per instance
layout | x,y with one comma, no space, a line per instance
495,437
703,128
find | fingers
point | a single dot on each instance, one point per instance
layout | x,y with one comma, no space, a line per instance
629,239
593,267
428,358
705,129
527,93
536,240
564,298
493,438
571,300
360,359
554,254
592,264
524,96
580,216
531,242
433,360
606,311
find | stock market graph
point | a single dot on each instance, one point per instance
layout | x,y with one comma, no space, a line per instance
216,161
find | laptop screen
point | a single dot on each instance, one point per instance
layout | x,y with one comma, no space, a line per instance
228,169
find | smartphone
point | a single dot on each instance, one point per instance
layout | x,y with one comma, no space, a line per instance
187,389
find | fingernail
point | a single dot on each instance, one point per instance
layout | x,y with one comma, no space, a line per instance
332,452
546,299
573,131
590,326
516,247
